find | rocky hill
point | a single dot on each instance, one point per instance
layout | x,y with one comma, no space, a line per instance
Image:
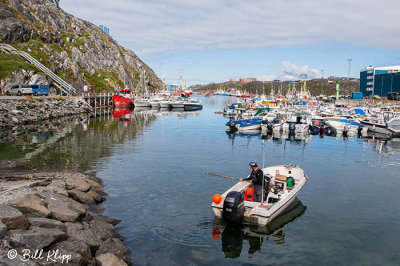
76,50
315,86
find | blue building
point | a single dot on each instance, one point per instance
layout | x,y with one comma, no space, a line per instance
105,29
380,80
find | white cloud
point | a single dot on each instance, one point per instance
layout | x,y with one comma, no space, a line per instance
152,27
288,71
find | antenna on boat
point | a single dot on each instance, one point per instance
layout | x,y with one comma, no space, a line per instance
263,179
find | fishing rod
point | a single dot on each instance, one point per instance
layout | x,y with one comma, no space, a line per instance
224,176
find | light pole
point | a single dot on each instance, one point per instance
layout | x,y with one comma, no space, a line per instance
348,74
322,81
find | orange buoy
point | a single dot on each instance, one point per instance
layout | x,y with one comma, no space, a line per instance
217,198
216,234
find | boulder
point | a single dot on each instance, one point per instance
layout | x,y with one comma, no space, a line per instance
58,186
77,183
114,246
97,197
12,218
73,226
36,238
31,203
80,196
64,209
79,251
46,223
87,236
3,229
94,216
109,259
102,230
58,190
95,185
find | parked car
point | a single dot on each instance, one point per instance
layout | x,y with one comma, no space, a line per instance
19,90
40,89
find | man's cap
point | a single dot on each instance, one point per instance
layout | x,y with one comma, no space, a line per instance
252,164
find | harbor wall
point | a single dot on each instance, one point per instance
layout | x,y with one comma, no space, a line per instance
29,110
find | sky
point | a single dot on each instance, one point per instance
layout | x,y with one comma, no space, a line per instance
214,40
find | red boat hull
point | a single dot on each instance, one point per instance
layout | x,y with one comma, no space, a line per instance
120,101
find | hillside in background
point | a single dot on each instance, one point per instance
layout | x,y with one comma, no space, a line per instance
315,86
76,50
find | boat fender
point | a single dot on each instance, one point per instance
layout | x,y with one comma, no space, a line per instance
249,194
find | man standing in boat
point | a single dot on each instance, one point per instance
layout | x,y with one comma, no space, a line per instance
256,178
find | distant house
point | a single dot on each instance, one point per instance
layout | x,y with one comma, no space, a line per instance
247,79
56,2
105,29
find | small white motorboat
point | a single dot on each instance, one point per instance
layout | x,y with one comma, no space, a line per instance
178,103
155,103
165,104
286,182
142,103
340,125
193,104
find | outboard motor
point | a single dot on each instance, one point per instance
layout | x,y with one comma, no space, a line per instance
233,209
292,127
321,130
345,131
269,126
359,131
232,125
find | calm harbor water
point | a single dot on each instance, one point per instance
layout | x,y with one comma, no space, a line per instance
154,163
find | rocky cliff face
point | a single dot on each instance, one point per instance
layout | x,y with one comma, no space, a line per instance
76,50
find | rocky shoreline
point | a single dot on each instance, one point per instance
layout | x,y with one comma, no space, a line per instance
46,219
31,110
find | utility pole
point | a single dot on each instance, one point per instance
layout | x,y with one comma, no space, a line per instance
322,81
348,74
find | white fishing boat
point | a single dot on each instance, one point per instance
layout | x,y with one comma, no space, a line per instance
234,209
341,125
394,126
302,128
165,104
142,103
193,104
178,103
155,103
384,123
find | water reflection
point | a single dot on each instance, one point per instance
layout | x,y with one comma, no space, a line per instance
72,142
384,146
232,237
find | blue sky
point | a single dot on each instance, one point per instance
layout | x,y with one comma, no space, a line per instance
213,40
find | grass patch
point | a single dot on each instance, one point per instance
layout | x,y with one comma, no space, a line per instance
85,34
37,50
56,47
78,42
10,63
69,75
103,81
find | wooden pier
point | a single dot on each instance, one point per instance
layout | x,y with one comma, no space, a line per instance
102,100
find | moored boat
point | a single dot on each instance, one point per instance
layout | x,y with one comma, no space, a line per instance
193,104
142,103
124,99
